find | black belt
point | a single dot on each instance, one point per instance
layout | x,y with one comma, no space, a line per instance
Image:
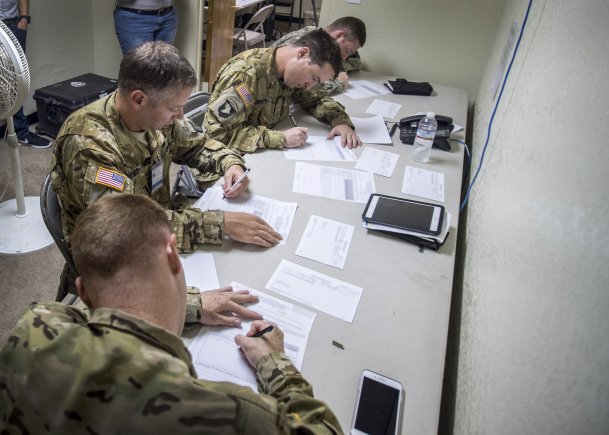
11,21
158,12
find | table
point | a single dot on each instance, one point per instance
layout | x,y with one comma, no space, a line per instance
401,325
220,29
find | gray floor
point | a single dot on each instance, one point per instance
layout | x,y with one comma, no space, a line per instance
29,277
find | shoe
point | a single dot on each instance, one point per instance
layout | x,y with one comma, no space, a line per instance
35,141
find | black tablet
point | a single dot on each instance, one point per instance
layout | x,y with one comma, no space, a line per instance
405,214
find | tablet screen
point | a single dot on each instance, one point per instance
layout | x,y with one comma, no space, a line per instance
405,214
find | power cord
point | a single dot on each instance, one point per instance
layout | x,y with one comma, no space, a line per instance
490,124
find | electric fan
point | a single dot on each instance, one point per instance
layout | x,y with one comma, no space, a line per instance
21,230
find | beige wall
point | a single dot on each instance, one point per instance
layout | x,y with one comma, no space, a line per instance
439,41
534,347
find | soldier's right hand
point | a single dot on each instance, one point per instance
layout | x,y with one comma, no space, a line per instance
295,137
248,228
255,348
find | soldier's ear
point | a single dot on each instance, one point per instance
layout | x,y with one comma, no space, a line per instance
173,257
82,293
137,98
302,52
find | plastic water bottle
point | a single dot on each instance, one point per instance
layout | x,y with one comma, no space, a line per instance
426,132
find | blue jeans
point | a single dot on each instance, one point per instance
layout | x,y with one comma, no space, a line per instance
133,29
19,119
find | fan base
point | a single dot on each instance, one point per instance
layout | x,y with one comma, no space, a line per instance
22,234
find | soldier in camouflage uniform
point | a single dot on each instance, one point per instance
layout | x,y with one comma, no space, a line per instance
254,90
124,369
350,34
126,141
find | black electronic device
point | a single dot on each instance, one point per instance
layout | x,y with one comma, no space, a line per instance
378,406
409,125
404,214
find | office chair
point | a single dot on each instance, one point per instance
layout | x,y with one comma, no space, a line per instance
253,33
51,215
194,110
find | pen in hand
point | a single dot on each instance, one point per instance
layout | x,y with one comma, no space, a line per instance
263,331
239,180
293,120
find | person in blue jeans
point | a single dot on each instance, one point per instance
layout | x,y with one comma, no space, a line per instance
15,15
139,21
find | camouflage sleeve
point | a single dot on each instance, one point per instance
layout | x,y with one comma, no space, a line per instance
290,38
322,107
194,310
352,63
81,162
277,377
230,105
210,157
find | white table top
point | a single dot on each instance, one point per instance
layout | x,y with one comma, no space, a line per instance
401,325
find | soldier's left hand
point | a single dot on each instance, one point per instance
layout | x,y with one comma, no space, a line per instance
225,307
348,138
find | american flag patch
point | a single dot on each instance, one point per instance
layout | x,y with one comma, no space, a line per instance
110,178
244,94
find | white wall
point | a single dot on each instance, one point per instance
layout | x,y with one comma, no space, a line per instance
534,346
439,41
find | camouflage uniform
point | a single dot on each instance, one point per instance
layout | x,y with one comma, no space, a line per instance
248,100
93,144
63,373
352,63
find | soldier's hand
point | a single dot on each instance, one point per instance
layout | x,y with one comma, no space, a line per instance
231,176
295,137
222,306
348,138
344,78
255,348
248,228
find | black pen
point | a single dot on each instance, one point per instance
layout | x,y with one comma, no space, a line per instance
393,128
263,331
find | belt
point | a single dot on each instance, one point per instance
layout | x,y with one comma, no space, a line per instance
11,21
158,12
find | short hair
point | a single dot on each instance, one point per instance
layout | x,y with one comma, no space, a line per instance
322,47
117,232
354,27
156,68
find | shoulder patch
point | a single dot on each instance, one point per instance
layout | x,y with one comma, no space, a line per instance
245,94
110,178
228,104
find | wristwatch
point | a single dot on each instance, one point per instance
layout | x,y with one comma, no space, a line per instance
27,17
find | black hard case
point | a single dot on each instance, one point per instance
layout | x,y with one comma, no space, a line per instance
54,103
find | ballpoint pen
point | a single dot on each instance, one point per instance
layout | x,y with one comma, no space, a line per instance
293,120
263,331
239,180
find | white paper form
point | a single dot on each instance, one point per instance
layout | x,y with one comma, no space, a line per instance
334,183
320,148
377,161
386,109
372,130
423,183
200,270
216,357
326,241
278,214
322,292
364,88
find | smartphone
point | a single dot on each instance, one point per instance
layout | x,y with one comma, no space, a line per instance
405,214
378,406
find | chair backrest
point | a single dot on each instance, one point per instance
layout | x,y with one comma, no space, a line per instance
51,215
257,20
196,106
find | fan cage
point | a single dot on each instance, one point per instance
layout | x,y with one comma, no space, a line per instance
14,73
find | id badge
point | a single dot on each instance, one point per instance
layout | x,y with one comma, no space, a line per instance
157,176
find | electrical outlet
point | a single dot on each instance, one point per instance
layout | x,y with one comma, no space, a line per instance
355,2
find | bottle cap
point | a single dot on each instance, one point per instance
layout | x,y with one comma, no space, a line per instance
431,115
